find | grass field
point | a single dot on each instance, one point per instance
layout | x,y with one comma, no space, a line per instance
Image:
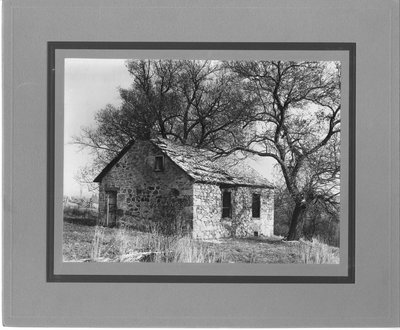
84,242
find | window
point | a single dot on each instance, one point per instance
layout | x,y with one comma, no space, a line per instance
174,192
226,204
159,164
256,206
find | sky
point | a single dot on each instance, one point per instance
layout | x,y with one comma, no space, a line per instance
91,84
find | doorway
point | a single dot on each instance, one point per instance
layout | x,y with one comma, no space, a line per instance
111,208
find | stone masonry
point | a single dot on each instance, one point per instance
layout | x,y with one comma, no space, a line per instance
207,212
139,188
143,194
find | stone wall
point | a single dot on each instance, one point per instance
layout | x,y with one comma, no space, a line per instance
145,196
207,212
142,192
242,222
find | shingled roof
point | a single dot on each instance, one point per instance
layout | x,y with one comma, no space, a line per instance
201,167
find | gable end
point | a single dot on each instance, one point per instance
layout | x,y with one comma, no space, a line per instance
114,161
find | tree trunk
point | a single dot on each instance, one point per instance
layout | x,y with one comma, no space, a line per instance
296,223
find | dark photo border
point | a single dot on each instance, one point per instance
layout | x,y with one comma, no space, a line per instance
283,46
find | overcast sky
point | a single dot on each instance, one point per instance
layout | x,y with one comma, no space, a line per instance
91,84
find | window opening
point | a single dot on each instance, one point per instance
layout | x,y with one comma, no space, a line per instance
159,164
256,206
226,204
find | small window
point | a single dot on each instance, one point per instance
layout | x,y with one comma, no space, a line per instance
159,164
226,204
174,192
256,205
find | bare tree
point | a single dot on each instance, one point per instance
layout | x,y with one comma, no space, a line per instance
289,111
193,102
298,124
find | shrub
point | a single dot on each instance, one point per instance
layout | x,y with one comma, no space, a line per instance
283,206
169,216
81,221
317,221
82,213
321,224
136,223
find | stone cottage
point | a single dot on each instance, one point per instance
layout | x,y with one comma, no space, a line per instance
215,198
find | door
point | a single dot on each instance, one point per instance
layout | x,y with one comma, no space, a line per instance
111,216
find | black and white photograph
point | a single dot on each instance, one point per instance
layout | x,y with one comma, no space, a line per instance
213,164
201,161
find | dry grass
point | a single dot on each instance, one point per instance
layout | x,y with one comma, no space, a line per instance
99,244
316,252
186,249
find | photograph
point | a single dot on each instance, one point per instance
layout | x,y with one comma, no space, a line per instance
218,164
201,161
